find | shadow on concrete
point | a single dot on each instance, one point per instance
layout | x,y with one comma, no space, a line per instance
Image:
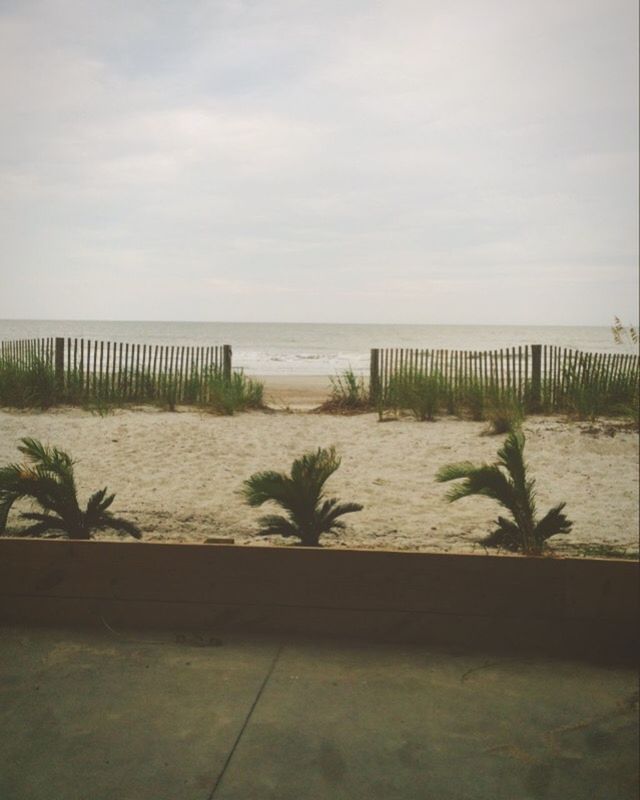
89,715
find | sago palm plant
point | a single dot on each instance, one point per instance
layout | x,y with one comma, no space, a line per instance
507,482
300,494
48,480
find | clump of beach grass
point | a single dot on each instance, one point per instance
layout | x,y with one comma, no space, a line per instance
419,393
504,412
349,394
473,400
623,334
27,384
588,397
225,396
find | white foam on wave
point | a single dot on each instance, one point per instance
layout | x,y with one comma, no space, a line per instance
290,363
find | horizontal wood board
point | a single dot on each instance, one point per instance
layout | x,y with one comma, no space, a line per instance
377,594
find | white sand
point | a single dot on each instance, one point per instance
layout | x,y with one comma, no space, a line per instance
295,392
178,475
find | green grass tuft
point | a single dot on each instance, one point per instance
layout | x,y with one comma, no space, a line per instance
349,394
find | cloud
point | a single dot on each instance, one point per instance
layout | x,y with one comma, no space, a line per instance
309,154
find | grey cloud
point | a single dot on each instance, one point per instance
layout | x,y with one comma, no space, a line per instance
322,150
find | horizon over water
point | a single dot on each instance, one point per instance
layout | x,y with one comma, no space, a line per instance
306,348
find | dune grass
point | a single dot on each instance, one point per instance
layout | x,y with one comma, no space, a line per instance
223,396
27,384
583,395
349,394
32,384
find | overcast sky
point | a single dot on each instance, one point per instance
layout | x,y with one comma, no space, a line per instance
428,162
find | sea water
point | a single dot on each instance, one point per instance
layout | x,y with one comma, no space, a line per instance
262,348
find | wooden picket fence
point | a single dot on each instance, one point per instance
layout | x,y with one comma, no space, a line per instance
98,370
539,375
28,351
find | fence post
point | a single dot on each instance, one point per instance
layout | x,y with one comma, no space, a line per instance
226,362
59,364
374,377
536,376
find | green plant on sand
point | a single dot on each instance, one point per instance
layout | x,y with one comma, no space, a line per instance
348,394
48,480
419,392
507,482
504,412
300,494
27,384
227,395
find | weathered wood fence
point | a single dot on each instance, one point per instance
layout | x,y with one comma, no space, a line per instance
538,374
86,369
28,351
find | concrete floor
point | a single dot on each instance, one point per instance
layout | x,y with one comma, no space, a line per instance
95,716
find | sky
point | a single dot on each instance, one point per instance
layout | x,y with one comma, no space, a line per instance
461,162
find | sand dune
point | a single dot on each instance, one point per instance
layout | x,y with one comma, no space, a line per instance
179,475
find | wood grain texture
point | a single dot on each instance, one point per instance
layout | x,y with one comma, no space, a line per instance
548,602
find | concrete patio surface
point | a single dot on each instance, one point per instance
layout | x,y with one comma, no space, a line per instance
105,715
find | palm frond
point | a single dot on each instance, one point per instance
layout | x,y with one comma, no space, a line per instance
507,536
553,523
488,481
34,515
120,525
34,450
264,486
315,468
330,511
511,457
452,472
98,503
43,523
276,524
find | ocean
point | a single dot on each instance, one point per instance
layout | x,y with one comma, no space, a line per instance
262,348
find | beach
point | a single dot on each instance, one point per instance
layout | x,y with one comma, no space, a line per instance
295,392
179,475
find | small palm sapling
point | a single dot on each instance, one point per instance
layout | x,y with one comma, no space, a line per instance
300,494
507,482
48,479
